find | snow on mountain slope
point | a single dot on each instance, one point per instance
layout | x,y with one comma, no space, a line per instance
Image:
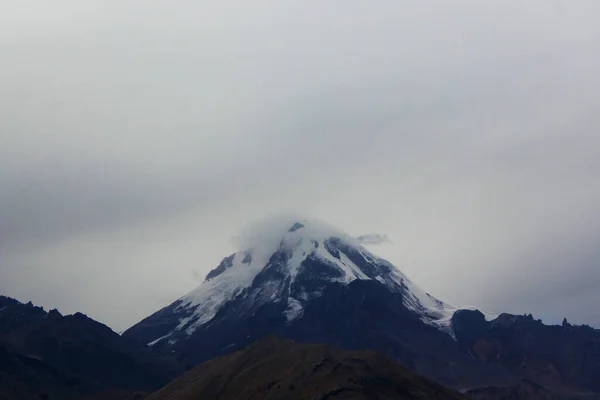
289,260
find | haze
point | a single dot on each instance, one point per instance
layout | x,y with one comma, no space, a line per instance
138,137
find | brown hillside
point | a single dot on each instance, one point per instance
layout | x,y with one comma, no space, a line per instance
274,369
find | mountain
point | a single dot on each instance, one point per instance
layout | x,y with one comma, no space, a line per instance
290,265
307,281
15,315
564,358
71,356
273,369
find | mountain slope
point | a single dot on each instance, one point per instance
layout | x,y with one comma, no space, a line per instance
25,378
83,356
563,358
524,390
273,369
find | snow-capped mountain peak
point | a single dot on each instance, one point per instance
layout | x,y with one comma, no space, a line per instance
273,243
288,262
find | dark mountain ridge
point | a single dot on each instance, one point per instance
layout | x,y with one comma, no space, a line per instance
560,357
71,356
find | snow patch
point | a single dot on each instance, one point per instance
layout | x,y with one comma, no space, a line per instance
152,343
293,310
207,298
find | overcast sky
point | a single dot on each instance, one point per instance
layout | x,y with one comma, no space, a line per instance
138,137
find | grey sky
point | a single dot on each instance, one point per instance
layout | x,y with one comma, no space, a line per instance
138,137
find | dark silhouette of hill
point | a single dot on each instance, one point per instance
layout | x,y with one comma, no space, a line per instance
51,356
274,368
